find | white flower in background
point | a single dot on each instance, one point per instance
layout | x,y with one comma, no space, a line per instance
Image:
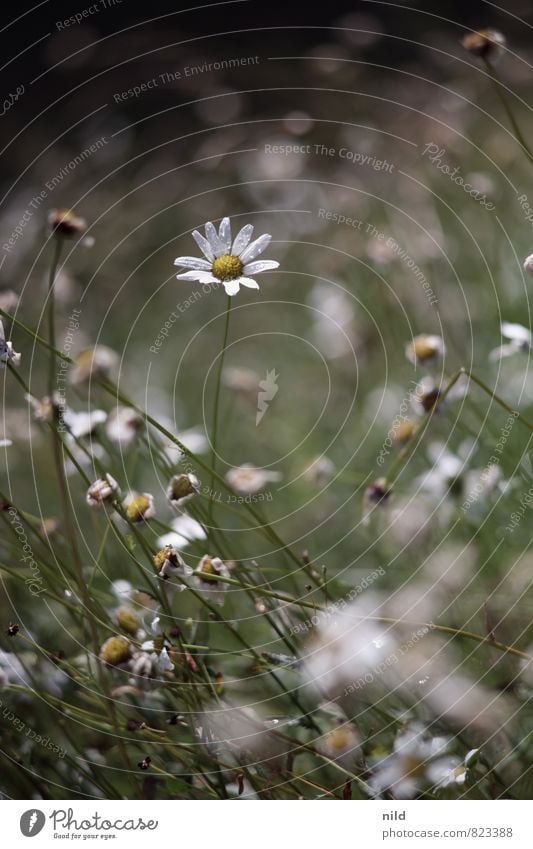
349,652
417,760
341,744
101,490
248,479
139,507
528,264
7,354
425,349
446,474
320,471
182,488
194,440
227,263
452,770
123,426
185,530
122,589
91,364
82,424
520,341
205,576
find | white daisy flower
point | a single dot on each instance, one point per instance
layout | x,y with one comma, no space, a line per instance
520,341
227,263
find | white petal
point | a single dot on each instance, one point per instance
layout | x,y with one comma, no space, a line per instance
200,276
204,245
260,265
216,245
516,331
242,239
193,262
224,234
232,286
164,664
257,247
248,282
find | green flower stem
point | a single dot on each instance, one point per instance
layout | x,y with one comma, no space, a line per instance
214,435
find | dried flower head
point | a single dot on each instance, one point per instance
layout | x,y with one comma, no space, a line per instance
424,349
169,563
101,490
115,650
139,507
488,44
520,340
206,574
182,488
128,620
403,431
65,223
227,263
13,629
95,363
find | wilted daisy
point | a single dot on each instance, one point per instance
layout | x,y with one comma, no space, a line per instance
101,490
139,507
227,263
169,563
206,573
123,426
520,340
488,44
7,354
248,479
97,362
182,488
416,760
376,493
65,222
115,651
425,349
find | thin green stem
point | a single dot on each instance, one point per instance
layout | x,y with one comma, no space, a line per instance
214,435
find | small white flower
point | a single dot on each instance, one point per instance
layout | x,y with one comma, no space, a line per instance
227,263
520,340
320,471
452,771
416,760
81,424
7,354
248,479
92,364
205,575
164,663
101,490
182,488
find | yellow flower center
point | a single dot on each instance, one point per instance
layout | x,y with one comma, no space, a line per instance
137,507
423,348
227,267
